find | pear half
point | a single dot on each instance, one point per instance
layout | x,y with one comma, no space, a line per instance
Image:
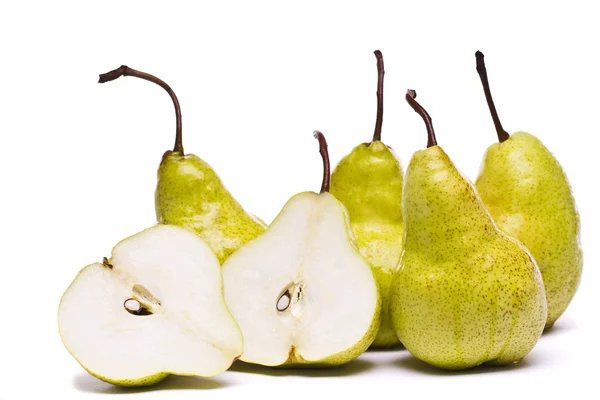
301,292
155,308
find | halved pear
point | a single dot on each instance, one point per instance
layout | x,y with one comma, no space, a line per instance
301,292
155,308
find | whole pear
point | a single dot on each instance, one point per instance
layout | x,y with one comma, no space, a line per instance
465,293
528,194
190,194
368,181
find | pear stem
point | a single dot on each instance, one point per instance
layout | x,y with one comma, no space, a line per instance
124,70
411,95
481,70
380,74
325,155
106,263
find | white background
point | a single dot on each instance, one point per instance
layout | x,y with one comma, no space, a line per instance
79,159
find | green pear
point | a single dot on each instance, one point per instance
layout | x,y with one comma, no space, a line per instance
465,293
190,194
368,181
528,194
301,292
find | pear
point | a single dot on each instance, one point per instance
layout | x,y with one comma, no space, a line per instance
189,192
154,308
368,181
301,292
465,293
529,196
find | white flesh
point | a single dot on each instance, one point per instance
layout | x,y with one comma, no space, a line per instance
333,295
174,273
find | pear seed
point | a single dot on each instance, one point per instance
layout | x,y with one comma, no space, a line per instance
284,301
134,307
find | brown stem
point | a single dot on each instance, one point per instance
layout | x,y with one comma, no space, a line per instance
380,74
481,70
411,95
124,70
106,263
325,155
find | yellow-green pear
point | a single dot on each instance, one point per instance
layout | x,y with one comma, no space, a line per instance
528,194
368,181
190,194
465,293
301,292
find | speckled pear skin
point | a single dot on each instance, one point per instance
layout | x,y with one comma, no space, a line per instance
368,181
465,293
528,194
190,194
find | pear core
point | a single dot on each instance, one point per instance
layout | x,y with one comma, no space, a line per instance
292,298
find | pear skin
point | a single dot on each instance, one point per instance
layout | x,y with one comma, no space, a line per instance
190,194
528,194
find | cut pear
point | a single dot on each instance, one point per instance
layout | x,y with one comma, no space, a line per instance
155,308
301,292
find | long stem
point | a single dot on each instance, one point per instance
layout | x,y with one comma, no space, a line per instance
124,70
380,74
481,70
325,155
411,95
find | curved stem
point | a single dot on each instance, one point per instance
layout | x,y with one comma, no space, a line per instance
380,74
411,95
124,70
481,70
325,155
